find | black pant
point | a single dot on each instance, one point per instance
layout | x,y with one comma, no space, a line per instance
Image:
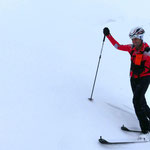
142,110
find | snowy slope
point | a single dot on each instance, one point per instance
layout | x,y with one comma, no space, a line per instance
48,57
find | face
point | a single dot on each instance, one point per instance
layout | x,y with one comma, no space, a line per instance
136,42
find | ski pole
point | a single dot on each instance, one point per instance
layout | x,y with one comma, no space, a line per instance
91,98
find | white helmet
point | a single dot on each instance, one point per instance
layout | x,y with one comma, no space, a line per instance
137,32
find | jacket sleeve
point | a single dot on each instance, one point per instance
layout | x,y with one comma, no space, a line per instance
118,46
146,58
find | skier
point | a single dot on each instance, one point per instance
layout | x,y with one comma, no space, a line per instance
139,74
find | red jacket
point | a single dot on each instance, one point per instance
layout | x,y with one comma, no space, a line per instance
140,59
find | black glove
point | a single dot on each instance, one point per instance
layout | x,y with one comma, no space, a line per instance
106,31
147,49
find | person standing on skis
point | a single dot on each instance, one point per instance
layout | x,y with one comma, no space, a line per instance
139,73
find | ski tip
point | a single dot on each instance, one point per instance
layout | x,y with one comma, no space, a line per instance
124,128
103,141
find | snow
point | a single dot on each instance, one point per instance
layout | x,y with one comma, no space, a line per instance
48,56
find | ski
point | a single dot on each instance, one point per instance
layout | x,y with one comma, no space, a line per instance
129,141
124,128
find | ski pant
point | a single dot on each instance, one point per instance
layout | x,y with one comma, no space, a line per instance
142,110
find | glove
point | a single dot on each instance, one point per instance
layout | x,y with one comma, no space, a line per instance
106,31
147,49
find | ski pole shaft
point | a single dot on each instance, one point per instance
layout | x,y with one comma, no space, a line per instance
91,98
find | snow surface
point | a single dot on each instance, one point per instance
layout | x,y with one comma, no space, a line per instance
48,56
